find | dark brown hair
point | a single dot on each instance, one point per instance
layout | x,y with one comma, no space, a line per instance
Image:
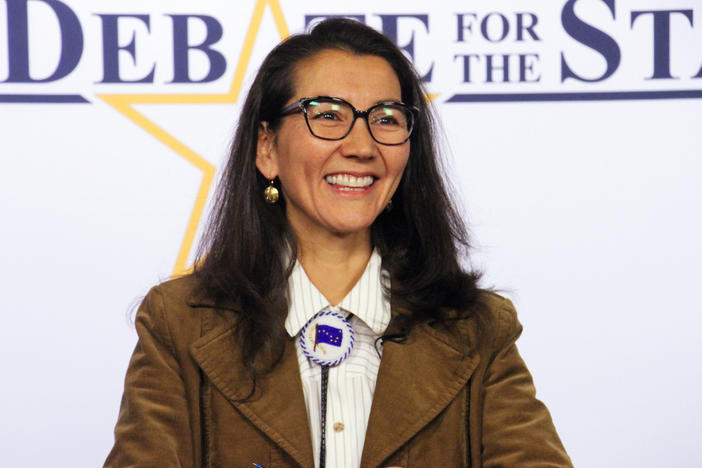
244,258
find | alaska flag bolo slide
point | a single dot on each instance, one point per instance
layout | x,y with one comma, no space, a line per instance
327,338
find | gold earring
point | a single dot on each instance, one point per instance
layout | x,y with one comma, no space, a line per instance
388,207
271,194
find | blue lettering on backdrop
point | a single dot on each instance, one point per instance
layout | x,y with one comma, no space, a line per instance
111,49
389,28
526,65
466,64
587,34
525,62
485,66
490,67
182,48
592,37
521,27
494,28
504,28
18,41
464,22
661,39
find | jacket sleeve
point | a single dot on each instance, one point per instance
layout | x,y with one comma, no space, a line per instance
152,429
517,428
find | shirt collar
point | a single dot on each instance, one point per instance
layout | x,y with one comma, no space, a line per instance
365,300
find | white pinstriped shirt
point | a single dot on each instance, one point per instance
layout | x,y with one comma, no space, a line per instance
351,383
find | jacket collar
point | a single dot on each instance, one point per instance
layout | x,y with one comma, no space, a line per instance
417,379
430,368
277,407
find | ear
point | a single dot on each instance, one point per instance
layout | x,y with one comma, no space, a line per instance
266,157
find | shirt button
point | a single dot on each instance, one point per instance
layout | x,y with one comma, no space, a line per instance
338,427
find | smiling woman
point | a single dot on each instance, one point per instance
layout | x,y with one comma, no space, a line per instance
336,185
328,321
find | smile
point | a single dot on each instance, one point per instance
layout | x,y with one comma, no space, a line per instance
349,182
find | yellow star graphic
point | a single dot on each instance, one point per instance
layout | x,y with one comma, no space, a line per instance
124,103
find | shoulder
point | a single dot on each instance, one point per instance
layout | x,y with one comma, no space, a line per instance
514,428
179,290
490,323
184,292
503,316
168,300
486,326
176,311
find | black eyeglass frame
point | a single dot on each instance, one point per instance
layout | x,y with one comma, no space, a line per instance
301,106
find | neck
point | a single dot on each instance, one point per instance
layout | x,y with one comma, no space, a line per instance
334,263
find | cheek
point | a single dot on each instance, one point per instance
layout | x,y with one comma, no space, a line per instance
300,164
398,163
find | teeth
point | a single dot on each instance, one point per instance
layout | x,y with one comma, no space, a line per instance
347,180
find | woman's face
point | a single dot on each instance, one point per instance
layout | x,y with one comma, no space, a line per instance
341,186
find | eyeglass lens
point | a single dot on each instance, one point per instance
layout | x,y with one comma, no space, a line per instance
388,123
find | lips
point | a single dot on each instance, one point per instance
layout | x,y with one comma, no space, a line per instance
349,182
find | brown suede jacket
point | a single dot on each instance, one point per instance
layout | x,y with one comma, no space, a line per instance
439,400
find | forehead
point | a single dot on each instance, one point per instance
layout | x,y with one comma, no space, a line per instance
362,80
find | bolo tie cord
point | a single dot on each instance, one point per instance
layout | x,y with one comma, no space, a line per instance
323,441
323,424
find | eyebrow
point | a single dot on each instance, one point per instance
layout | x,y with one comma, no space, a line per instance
379,101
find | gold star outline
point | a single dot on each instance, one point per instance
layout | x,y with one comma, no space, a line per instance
124,103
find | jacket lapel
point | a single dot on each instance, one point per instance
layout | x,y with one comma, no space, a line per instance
278,406
416,381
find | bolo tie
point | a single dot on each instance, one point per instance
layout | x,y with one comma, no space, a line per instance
326,339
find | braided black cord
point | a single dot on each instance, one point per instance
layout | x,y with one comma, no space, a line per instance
323,442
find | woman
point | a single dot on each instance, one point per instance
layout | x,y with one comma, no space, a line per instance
328,321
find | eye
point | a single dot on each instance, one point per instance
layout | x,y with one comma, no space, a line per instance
386,120
388,117
327,115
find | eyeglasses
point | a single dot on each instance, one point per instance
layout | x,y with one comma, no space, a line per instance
332,118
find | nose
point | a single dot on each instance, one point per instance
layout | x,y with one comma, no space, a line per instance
359,143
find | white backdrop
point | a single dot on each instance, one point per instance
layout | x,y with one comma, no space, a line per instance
585,212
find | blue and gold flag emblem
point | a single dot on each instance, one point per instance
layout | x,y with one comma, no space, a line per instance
327,334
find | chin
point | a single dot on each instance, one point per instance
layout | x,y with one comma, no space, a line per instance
351,227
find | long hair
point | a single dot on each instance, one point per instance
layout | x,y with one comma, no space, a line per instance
248,250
